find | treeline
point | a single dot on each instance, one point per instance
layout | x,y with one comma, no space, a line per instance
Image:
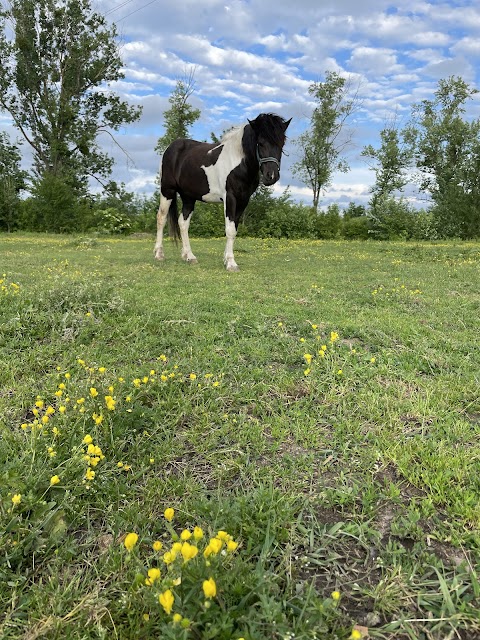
52,85
267,216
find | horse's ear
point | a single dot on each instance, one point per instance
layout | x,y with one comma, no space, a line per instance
285,126
253,124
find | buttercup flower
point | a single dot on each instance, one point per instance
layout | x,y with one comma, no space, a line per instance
130,541
166,599
209,588
169,514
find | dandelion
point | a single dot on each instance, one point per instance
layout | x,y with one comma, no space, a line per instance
16,498
209,588
130,541
157,545
54,480
169,514
166,599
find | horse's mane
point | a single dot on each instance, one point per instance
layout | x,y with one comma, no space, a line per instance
271,127
234,131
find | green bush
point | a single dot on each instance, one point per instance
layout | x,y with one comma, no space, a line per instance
356,228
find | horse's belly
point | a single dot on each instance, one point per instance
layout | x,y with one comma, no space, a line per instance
213,196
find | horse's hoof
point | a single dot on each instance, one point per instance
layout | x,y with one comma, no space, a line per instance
159,256
233,267
192,261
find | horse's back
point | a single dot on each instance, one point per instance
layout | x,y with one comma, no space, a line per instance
182,164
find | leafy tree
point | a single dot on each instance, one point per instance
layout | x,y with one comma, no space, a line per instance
390,162
56,60
446,148
12,181
181,114
322,145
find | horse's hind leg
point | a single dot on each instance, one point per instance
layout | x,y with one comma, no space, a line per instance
184,223
161,220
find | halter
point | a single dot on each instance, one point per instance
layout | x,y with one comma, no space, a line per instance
270,159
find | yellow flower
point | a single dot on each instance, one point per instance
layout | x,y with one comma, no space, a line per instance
169,514
335,595
232,546
372,359
188,551
157,545
355,635
176,618
101,369
308,358
223,535
62,409
61,386
213,547
163,377
307,372
169,557
198,533
50,411
80,400
45,419
93,392
166,599
209,588
185,535
130,541
54,480
153,574
87,439
17,498
39,404
90,475
333,336
193,376
110,402
137,382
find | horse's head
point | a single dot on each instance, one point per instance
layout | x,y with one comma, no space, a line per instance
269,130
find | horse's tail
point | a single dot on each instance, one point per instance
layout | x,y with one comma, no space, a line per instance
173,225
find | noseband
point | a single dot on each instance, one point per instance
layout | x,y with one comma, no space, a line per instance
270,159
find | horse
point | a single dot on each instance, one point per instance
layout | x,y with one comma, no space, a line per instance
228,172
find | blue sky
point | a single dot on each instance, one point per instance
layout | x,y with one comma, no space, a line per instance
252,56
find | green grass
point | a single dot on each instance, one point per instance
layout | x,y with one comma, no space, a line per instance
355,472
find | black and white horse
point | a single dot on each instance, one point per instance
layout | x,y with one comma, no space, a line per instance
227,172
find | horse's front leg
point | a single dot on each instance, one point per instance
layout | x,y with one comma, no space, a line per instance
184,223
231,233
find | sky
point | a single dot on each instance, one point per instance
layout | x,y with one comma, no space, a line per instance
254,56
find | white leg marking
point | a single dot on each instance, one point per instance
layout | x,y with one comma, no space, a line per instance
228,258
187,254
161,220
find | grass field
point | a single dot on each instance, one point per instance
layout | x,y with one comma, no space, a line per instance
316,416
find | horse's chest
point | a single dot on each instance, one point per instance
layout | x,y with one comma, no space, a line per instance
217,175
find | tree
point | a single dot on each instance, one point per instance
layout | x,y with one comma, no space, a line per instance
12,181
446,149
321,147
181,114
390,161
56,60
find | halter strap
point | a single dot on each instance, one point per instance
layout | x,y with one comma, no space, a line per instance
270,159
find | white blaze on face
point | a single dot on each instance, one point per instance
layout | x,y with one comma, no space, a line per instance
230,157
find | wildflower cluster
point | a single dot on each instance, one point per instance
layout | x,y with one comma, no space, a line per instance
398,291
321,349
8,288
182,573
